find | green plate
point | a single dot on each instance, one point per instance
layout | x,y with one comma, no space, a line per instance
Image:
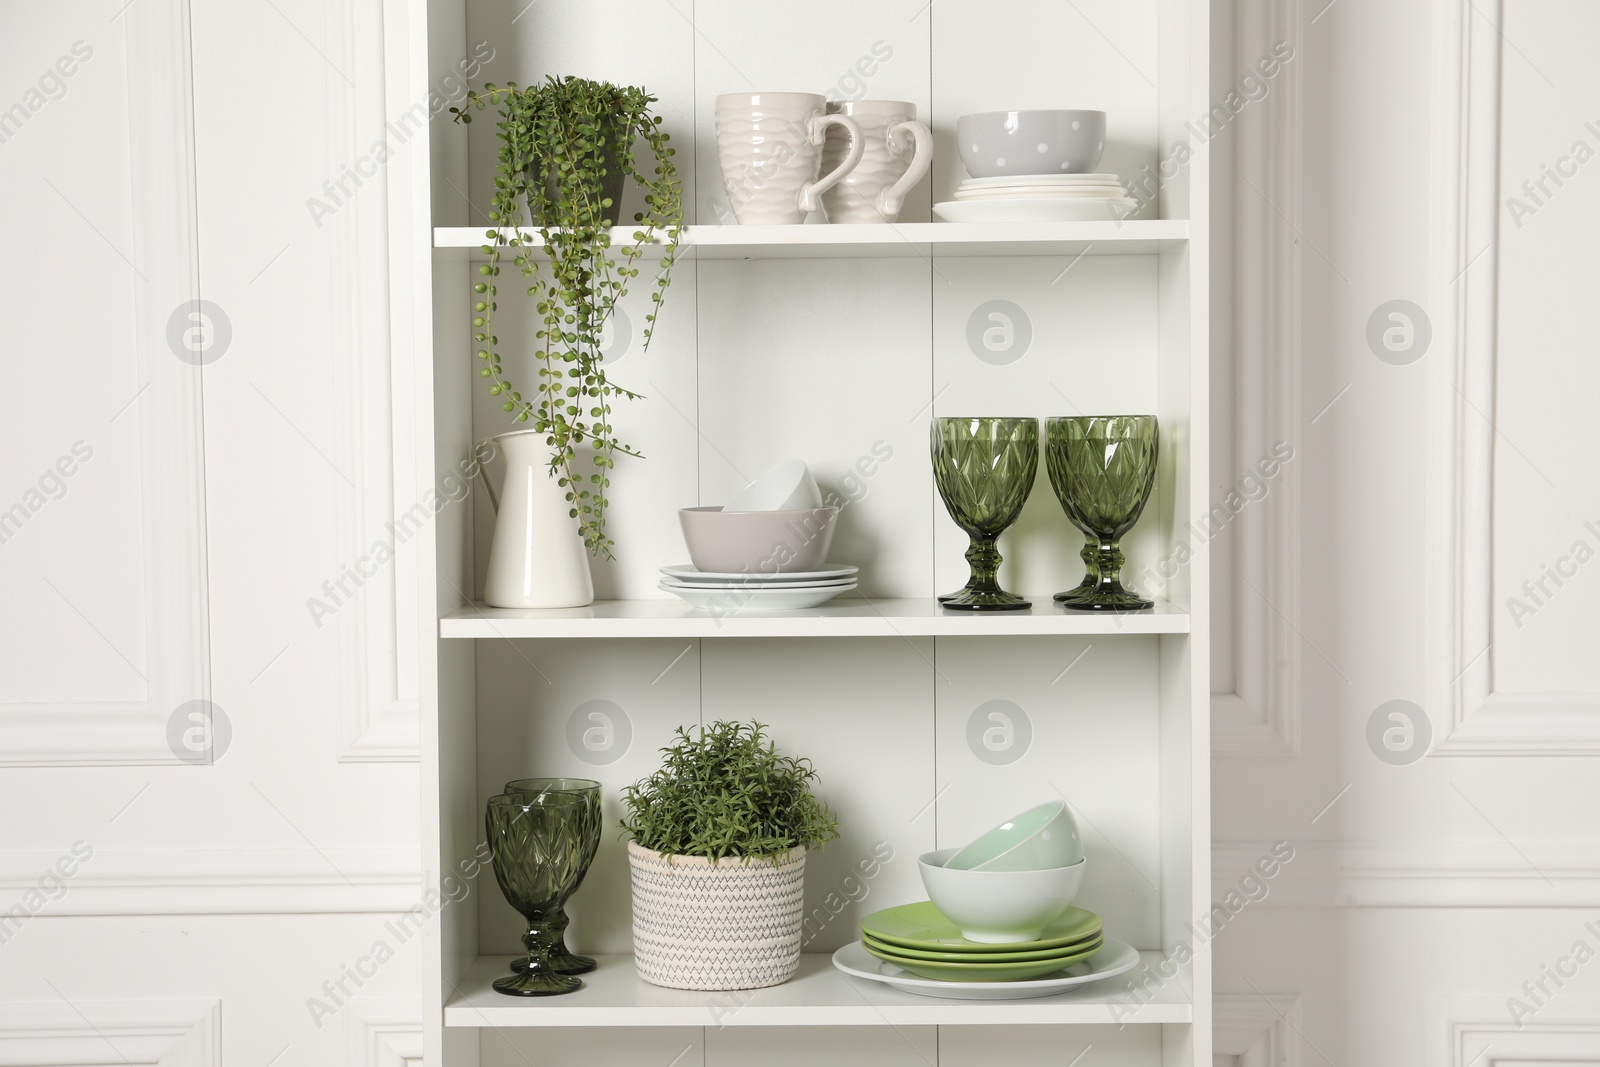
986,972
923,926
1034,956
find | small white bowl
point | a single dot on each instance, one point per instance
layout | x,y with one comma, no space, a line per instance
1039,838
998,907
787,487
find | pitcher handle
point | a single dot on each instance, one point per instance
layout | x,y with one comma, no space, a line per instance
892,199
481,461
818,128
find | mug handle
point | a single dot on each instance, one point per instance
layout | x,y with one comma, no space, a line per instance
818,131
892,199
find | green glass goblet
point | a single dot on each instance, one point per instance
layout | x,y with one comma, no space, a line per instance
984,469
1102,468
562,959
540,847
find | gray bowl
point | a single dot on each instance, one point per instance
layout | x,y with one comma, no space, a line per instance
996,144
758,542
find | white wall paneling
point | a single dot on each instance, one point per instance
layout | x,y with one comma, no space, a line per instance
1256,1029
379,508
1490,487
171,604
1468,1031
136,1032
1256,399
385,1032
1422,874
221,881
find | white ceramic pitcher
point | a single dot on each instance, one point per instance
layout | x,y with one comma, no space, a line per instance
538,559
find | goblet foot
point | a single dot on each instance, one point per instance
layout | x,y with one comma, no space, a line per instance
985,600
536,982
1110,600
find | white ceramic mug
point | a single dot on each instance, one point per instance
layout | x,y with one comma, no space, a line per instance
897,151
770,147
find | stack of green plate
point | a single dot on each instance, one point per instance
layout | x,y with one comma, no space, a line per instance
919,938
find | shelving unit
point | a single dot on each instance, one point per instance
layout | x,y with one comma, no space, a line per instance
1132,237
818,995
837,344
845,617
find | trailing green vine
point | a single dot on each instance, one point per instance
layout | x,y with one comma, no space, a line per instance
558,144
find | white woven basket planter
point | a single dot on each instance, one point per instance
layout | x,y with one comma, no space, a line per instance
723,925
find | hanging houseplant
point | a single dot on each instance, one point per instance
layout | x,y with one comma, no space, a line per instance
718,853
566,152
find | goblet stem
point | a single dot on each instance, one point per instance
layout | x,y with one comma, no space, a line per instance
538,977
982,591
562,959
1101,589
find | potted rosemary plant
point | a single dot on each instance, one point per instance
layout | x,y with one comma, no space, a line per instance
718,853
567,149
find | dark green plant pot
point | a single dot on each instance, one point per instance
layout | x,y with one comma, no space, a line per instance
611,187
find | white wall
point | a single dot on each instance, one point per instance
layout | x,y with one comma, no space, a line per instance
204,508
1426,888
171,556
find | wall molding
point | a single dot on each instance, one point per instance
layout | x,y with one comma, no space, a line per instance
385,1032
1261,1029
165,245
379,717
159,1033
1481,721
219,882
1262,716
1479,1032
1420,874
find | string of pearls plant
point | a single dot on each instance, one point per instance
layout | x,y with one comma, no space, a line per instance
560,142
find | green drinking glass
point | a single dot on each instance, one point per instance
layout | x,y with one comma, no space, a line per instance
1102,468
562,959
540,847
985,470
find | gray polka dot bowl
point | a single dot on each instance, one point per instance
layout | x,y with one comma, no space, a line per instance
998,144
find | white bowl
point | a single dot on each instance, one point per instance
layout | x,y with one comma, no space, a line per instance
998,907
787,487
758,542
1038,839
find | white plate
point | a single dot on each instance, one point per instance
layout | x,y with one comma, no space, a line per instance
1042,179
733,601
1021,192
685,572
761,587
1115,958
1038,210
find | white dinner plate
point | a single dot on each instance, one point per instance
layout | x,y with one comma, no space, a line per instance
685,572
1041,179
1036,210
757,586
1029,191
1115,958
732,601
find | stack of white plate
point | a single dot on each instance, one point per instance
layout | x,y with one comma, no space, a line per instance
1039,198
730,592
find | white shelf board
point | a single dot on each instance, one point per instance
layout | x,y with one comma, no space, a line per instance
844,617
819,995
889,240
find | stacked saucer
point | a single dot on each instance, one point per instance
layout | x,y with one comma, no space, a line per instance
729,592
1039,198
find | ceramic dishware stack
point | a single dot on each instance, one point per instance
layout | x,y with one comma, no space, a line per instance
1000,923
765,550
1035,166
